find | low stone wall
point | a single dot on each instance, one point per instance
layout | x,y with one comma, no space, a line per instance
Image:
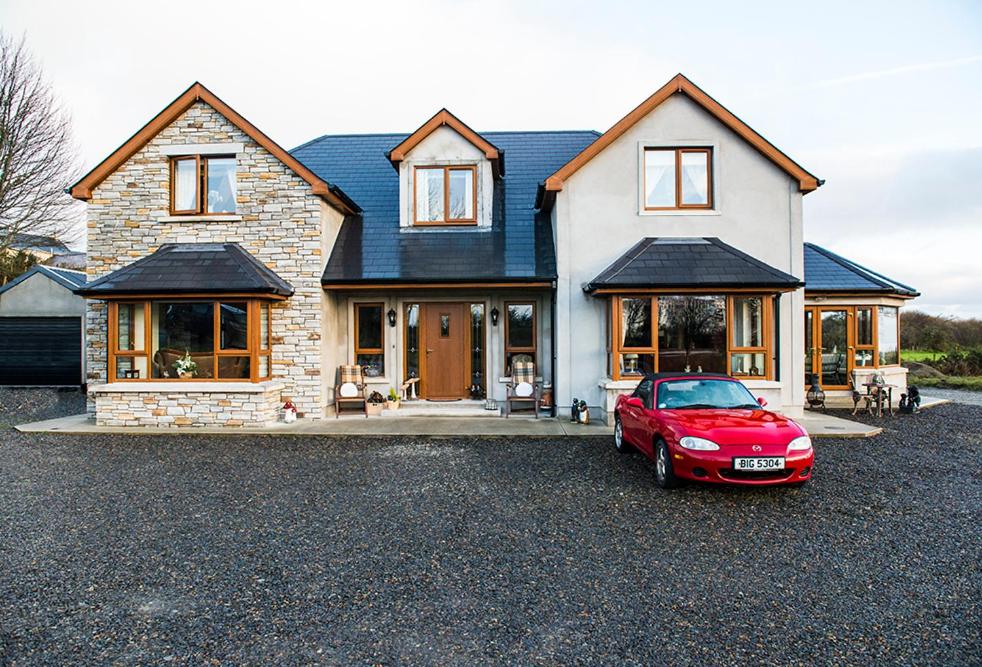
188,404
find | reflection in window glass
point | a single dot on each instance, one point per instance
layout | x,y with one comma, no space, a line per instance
637,363
461,194
221,185
747,363
444,325
412,340
886,327
185,185
131,368
695,177
692,334
234,328
429,195
520,327
183,329
864,326
233,368
748,321
130,328
369,326
659,178
636,323
264,326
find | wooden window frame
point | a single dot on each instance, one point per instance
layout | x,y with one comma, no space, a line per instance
616,327
767,336
616,349
876,336
201,183
358,351
446,195
679,151
533,349
856,346
252,351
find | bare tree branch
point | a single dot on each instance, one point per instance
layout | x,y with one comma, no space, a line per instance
38,156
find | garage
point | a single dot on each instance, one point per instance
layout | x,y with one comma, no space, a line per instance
40,350
41,336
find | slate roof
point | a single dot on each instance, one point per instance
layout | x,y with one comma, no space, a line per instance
689,262
198,268
371,248
23,241
64,277
827,272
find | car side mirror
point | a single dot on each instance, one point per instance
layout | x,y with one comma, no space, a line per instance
635,402
762,401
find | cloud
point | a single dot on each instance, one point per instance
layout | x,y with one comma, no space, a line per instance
894,71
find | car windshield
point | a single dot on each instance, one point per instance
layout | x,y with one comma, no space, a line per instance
694,394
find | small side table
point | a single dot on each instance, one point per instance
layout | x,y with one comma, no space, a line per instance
881,390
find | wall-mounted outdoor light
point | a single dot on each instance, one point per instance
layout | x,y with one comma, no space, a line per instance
494,317
392,317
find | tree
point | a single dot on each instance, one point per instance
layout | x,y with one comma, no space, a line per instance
38,157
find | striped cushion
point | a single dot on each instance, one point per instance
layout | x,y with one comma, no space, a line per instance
523,371
350,374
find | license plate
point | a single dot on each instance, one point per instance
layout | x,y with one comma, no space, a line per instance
757,463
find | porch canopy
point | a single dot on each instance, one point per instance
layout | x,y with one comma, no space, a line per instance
191,269
690,263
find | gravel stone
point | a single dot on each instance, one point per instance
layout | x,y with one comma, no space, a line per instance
299,550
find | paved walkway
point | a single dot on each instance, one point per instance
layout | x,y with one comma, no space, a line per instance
818,425
953,395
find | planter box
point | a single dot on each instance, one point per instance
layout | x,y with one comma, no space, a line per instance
375,408
392,405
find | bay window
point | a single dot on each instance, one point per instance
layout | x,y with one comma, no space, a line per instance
677,178
692,333
202,185
445,195
199,339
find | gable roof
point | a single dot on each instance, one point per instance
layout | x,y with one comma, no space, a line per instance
49,244
445,118
191,268
198,93
372,249
689,262
826,271
681,85
64,277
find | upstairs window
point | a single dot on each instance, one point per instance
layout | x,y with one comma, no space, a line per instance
202,185
445,195
678,178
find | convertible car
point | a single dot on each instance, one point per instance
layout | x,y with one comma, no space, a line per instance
709,428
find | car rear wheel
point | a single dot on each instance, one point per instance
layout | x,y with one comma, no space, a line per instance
664,473
619,442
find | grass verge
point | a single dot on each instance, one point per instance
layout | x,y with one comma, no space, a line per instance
970,382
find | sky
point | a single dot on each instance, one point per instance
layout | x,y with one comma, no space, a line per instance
880,99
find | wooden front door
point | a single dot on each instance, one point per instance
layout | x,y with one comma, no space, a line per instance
445,353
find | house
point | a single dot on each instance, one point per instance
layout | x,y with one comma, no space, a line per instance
673,241
41,334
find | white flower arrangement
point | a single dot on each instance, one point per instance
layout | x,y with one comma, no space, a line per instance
186,365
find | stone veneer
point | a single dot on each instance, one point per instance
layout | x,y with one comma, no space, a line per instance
195,404
277,219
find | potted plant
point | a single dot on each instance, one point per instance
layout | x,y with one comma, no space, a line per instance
186,367
376,403
393,401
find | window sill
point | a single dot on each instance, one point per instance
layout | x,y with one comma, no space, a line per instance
681,211
186,386
200,218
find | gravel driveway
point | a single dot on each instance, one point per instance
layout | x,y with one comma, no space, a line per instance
360,551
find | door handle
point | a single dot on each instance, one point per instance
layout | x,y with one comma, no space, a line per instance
428,351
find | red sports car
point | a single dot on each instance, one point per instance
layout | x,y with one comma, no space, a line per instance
709,428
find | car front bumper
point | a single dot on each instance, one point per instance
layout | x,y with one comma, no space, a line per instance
717,466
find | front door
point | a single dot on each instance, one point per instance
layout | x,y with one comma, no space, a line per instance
828,346
444,366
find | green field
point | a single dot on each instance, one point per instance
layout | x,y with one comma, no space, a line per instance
921,355
970,382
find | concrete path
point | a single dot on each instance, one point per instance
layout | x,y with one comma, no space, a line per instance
818,425
953,395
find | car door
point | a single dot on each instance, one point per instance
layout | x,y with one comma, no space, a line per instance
644,424
632,416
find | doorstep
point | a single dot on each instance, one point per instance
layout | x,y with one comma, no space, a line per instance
346,425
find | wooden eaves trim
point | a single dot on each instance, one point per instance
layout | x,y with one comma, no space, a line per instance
444,285
679,84
439,119
198,93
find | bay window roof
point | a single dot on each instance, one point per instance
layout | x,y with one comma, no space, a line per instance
826,271
689,262
191,268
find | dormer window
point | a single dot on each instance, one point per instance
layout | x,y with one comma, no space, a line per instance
202,185
678,178
445,195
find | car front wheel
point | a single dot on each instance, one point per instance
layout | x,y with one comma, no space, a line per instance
664,473
619,442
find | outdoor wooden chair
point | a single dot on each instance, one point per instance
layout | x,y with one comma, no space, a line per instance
860,394
523,387
350,390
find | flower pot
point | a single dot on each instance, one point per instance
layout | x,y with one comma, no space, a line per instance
392,405
375,408
185,375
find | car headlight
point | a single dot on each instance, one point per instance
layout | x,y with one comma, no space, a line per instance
691,442
800,443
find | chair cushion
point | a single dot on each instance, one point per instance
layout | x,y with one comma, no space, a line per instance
348,390
523,371
350,374
524,389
